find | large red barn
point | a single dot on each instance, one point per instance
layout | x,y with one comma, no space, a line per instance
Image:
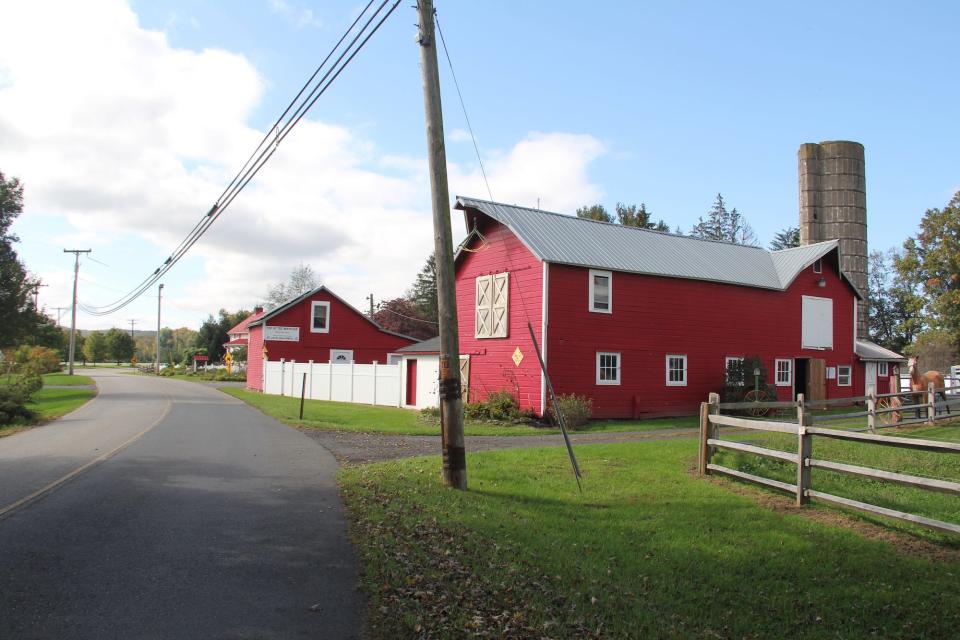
644,322
318,326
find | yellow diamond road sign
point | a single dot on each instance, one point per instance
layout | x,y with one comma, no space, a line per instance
517,357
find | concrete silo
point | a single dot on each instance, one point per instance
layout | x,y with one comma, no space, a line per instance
833,206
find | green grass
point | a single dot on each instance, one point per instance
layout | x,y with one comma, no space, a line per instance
944,466
647,551
63,380
345,416
49,404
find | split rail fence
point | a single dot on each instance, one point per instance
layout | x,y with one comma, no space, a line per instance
376,384
805,430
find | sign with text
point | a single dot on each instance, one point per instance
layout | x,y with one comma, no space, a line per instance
201,358
282,334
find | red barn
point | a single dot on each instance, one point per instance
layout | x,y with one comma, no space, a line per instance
644,322
318,326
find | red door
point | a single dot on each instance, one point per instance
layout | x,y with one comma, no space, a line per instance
412,381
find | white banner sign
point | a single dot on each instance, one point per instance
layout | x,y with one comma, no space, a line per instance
283,334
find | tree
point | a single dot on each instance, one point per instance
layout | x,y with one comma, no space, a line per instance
933,260
120,345
896,306
17,313
95,347
786,239
594,212
302,279
423,293
935,349
402,315
634,216
721,224
213,332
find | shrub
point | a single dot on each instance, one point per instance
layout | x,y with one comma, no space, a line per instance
36,360
500,406
15,396
576,410
431,414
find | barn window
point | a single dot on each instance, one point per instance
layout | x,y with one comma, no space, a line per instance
492,315
601,291
320,317
733,370
883,369
843,375
784,372
818,266
608,368
676,371
817,323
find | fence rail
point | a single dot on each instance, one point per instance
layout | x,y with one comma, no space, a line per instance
711,421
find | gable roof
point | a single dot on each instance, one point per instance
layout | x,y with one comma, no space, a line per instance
563,239
430,345
295,301
244,324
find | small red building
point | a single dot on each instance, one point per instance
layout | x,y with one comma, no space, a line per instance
240,334
318,326
644,322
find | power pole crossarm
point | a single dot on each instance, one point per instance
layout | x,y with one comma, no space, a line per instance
451,402
73,306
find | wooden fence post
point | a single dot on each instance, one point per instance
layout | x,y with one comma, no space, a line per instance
704,435
931,403
714,430
871,410
804,451
303,393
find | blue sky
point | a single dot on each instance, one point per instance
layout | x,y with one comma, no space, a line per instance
662,103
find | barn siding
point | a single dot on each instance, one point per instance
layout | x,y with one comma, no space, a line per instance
491,364
654,316
255,359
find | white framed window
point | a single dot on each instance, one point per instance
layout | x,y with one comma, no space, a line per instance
732,360
883,369
843,375
784,370
608,367
320,317
601,291
341,356
817,323
818,265
492,308
676,370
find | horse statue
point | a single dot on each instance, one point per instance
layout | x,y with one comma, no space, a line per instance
921,381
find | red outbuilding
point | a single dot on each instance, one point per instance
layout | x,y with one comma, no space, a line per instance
645,322
318,326
240,334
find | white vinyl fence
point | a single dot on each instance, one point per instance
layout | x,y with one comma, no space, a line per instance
360,383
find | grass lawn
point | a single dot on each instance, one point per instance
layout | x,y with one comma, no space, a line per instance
49,404
647,551
944,466
345,416
63,380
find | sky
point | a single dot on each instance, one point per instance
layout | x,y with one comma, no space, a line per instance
126,119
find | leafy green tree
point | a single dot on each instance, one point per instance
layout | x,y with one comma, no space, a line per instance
18,316
95,347
936,349
786,239
120,345
594,212
423,295
213,332
723,224
634,216
933,260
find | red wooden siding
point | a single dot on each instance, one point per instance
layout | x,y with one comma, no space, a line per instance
706,321
491,364
255,359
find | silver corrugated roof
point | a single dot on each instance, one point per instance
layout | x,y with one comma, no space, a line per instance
554,237
872,351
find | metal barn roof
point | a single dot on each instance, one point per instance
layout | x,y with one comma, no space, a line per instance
563,239
871,351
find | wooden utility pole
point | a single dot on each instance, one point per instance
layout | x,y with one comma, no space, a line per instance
451,402
36,293
59,310
370,297
132,322
73,306
159,297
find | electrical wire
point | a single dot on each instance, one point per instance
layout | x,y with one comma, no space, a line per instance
265,149
406,316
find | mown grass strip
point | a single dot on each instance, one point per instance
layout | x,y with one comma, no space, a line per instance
64,380
647,551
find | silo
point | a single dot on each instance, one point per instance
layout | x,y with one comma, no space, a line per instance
833,206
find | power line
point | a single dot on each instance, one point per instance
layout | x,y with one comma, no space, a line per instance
406,316
264,150
463,106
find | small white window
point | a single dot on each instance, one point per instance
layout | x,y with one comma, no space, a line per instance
732,360
676,371
818,266
843,375
601,291
320,317
608,368
784,372
883,369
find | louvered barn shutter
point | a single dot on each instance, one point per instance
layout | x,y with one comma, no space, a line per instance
500,310
484,297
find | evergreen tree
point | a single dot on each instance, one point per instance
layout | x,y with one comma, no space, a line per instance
18,316
725,225
423,293
594,212
634,216
786,239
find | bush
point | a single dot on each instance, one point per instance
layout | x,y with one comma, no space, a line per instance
576,410
500,406
431,414
36,360
15,396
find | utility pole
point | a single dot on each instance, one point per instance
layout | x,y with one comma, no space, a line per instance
73,306
159,296
59,310
132,322
451,401
36,293
370,297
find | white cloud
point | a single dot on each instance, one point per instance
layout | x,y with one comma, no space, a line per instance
459,135
128,137
299,16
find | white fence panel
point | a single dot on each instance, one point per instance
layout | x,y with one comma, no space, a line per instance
273,374
358,383
388,385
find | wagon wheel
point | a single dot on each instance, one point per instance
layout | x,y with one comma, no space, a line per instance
758,396
887,418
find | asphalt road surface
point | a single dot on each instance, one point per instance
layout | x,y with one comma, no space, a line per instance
166,509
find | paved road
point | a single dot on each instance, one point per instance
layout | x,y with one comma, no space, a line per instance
212,522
